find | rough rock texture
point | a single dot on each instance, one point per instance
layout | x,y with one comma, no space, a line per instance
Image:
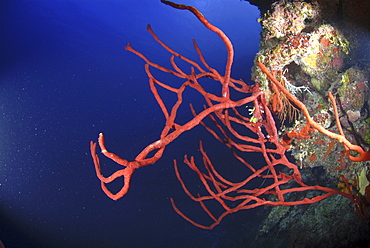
325,46
355,12
329,223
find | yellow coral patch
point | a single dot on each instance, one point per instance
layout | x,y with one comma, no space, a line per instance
362,181
311,60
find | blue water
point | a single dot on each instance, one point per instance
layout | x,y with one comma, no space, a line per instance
64,78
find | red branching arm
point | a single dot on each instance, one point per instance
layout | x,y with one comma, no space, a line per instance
220,33
363,155
225,114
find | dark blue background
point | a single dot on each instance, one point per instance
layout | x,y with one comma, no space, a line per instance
64,78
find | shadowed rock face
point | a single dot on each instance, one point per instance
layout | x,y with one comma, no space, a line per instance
355,12
331,222
263,5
